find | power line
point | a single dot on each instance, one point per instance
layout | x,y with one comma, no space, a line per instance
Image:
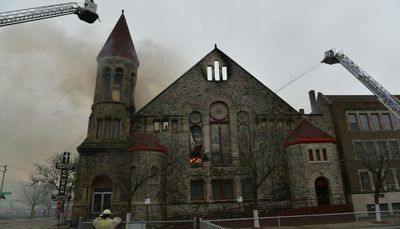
298,77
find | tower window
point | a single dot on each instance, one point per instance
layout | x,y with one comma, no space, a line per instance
106,78
117,84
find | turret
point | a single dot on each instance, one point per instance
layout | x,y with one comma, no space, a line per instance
113,105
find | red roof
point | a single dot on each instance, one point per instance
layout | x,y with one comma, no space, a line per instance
145,142
119,43
305,132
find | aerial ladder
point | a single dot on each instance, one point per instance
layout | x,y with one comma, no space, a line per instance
86,13
391,102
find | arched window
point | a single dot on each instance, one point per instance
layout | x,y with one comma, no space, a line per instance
244,139
196,138
117,84
219,133
102,190
154,174
106,81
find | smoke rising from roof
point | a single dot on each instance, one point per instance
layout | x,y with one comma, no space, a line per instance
47,87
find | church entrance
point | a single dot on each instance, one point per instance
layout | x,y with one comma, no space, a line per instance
322,191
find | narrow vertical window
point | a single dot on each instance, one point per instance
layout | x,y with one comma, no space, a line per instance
100,126
219,133
243,131
154,174
196,138
117,84
365,184
390,184
324,154
165,125
317,153
370,153
133,83
106,80
156,126
375,124
358,150
352,121
216,71
310,155
116,124
382,150
394,150
364,122
224,73
386,124
174,125
107,128
396,122
209,73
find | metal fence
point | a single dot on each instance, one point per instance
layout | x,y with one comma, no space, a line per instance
337,220
390,219
170,224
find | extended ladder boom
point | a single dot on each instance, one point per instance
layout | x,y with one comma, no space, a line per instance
86,13
391,102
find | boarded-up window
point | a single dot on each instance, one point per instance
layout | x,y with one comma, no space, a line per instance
222,189
197,190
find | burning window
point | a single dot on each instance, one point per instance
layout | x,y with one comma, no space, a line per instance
196,138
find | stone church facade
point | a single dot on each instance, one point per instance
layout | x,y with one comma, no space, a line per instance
215,139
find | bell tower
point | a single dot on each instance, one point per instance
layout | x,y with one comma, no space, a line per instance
113,105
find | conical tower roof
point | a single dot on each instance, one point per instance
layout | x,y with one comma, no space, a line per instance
120,43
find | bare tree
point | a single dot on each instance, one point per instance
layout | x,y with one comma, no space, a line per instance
377,163
262,156
49,174
34,194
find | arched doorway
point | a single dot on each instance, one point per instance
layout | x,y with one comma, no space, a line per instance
322,191
102,190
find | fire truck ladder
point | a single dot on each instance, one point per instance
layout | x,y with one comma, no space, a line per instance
86,13
391,102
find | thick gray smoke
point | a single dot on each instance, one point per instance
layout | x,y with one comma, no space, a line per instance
47,84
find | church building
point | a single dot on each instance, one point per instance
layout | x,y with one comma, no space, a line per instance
215,138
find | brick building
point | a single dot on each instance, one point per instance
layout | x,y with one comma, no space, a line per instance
204,142
363,128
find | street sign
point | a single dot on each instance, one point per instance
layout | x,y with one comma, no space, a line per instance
55,197
5,193
64,166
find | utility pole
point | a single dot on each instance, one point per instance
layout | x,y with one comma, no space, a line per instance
2,182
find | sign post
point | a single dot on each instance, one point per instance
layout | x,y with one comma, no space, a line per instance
64,166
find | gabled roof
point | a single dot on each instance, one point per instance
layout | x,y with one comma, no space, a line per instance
216,52
119,43
145,142
305,132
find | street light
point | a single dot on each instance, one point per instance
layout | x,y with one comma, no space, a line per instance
147,203
240,200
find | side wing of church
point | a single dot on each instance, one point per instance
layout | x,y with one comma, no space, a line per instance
215,137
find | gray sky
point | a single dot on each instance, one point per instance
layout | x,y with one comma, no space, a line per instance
48,67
